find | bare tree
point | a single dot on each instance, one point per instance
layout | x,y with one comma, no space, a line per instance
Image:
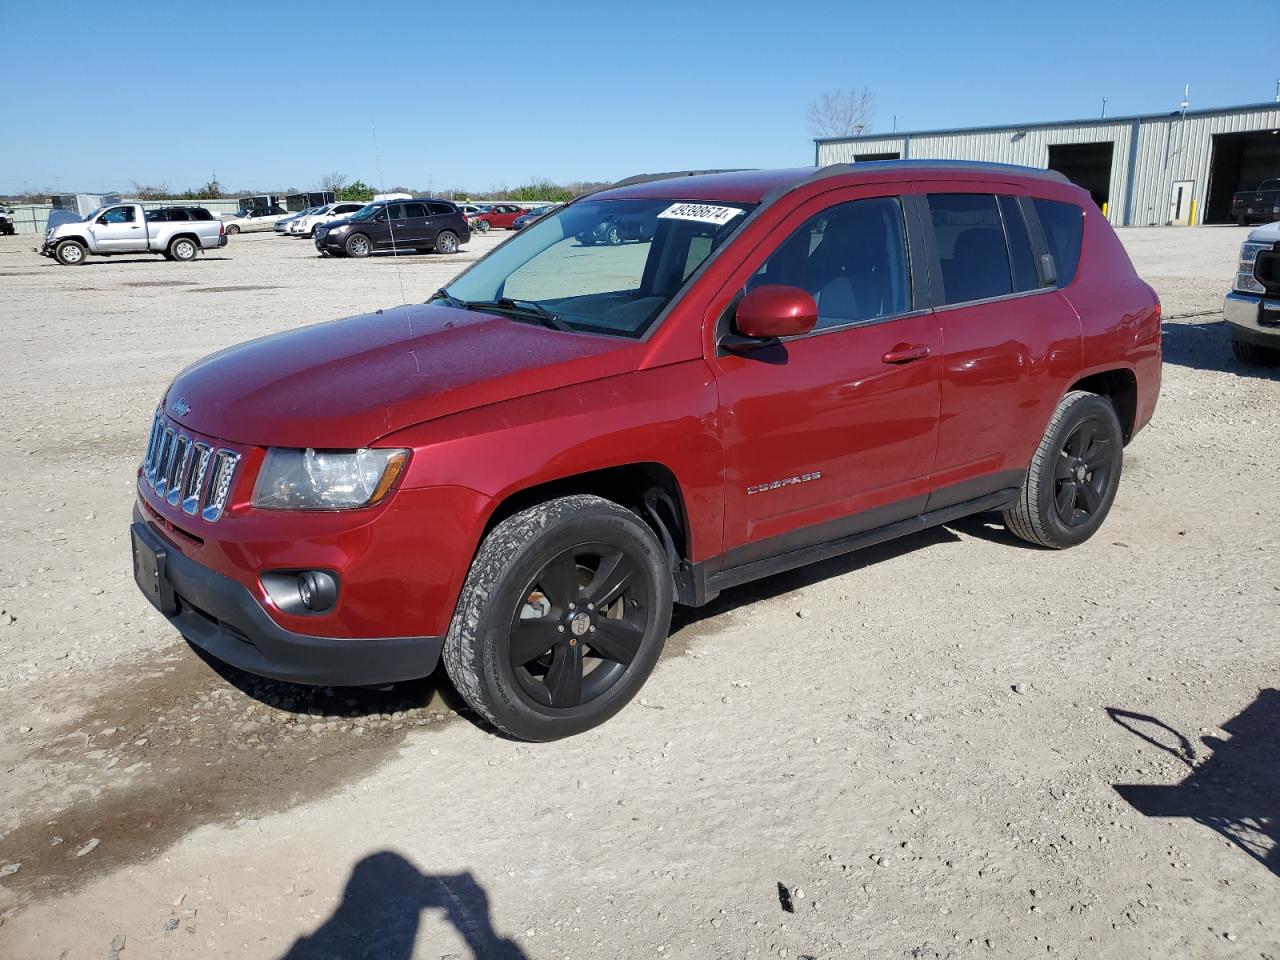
333,181
841,113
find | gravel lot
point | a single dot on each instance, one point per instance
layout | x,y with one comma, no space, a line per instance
947,746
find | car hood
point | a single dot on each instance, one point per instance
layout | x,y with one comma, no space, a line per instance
346,383
1266,234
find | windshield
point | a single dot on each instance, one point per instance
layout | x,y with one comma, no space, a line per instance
367,213
605,266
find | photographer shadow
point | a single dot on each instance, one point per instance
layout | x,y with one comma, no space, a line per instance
381,911
1235,791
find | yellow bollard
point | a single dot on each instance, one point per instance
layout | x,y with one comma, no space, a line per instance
1192,221
1105,207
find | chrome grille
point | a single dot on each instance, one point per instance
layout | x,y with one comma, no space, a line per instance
188,472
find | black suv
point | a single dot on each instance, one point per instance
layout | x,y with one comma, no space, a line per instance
423,224
177,214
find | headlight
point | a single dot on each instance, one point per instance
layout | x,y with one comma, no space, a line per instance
342,228
326,479
1246,282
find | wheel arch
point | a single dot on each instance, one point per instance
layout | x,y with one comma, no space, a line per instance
185,235
648,488
1120,386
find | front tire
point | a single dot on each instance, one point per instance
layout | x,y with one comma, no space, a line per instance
183,249
613,237
1073,477
358,245
562,618
1255,354
70,253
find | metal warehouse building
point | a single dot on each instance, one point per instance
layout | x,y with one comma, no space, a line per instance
1178,168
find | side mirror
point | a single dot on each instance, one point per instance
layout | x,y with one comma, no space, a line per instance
770,312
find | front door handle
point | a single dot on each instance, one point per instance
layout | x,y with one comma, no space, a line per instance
905,353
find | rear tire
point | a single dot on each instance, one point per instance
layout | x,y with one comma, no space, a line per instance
446,242
562,618
1073,477
71,253
613,237
358,245
182,249
232,230
1255,354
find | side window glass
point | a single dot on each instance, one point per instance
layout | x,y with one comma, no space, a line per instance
1020,253
1063,225
395,211
117,215
852,258
971,246
177,214
415,210
439,209
155,216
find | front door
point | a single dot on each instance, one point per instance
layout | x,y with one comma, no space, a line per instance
833,432
117,230
1180,203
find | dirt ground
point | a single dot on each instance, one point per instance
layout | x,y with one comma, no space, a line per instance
948,746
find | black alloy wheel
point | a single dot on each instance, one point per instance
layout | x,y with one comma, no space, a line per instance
580,625
1082,473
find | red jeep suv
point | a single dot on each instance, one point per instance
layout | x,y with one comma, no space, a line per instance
524,473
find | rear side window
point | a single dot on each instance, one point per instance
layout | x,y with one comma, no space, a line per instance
1020,253
199,213
177,213
851,257
439,208
157,216
415,210
971,246
1063,225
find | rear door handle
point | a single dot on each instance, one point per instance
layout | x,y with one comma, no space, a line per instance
905,353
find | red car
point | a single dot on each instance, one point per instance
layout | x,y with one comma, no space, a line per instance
498,215
523,475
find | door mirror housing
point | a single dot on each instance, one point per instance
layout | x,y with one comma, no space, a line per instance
775,310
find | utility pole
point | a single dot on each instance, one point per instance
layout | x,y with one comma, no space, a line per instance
1104,108
895,116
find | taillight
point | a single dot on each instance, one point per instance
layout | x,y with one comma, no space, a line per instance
222,229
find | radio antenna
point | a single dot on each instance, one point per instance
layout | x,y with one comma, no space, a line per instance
395,252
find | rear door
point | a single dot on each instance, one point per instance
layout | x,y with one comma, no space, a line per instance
440,216
833,432
119,230
1008,338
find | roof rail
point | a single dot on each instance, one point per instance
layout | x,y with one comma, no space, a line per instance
976,166
649,177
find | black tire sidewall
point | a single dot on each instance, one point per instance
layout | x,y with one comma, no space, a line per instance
173,250
346,246
443,234
512,710
1090,407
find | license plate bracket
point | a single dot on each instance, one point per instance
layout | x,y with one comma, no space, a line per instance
150,558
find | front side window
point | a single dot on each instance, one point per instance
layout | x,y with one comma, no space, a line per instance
369,212
1063,225
852,258
117,215
604,266
971,246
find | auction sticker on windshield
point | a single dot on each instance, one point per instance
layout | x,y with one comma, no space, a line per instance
701,212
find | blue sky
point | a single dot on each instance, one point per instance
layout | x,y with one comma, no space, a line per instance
492,93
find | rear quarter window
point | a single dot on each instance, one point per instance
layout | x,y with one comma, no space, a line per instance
1063,226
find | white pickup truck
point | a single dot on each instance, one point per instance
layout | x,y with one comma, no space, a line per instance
178,233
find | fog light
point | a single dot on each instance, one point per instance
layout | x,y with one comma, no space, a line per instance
301,591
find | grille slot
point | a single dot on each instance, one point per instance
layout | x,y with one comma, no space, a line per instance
188,472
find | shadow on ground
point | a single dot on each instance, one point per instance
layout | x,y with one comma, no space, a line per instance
1207,346
381,911
1235,790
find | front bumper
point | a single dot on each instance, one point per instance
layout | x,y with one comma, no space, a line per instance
1253,318
222,618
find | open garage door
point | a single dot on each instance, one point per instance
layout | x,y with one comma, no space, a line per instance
1240,161
1086,165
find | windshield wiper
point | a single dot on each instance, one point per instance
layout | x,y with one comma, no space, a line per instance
444,294
525,308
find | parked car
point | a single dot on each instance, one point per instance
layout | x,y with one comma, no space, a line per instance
6,222
281,226
305,226
497,216
616,229
256,220
179,233
424,224
532,216
1252,308
522,475
1260,205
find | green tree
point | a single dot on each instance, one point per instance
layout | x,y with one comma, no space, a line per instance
356,191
